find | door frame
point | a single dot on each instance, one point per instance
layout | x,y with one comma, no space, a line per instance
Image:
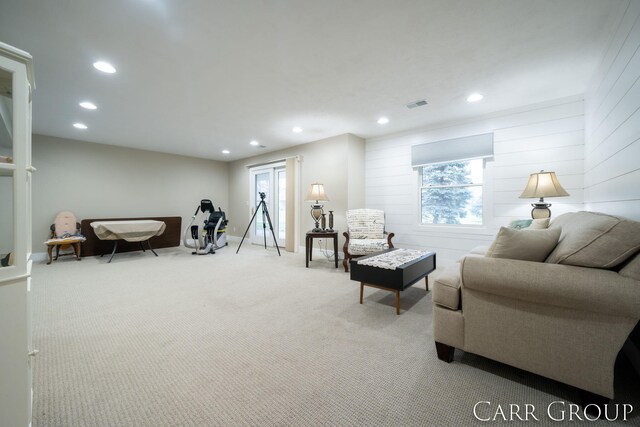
271,169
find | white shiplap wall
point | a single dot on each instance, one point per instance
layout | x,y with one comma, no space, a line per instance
547,136
612,130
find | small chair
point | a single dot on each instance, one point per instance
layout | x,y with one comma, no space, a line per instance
65,233
365,234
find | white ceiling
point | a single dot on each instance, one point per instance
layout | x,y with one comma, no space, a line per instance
195,77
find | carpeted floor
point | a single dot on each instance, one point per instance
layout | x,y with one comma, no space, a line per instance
255,340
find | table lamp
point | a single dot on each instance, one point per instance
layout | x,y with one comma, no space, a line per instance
542,184
316,193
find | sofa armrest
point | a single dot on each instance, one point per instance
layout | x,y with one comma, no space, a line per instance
578,288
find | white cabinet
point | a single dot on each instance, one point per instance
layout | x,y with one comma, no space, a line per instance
16,85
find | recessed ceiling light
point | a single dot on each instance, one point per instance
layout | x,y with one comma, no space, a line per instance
226,151
254,143
105,67
80,126
474,97
383,121
296,129
88,105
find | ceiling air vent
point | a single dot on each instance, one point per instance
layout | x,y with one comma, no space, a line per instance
417,103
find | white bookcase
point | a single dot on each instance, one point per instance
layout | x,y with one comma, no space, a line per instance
16,86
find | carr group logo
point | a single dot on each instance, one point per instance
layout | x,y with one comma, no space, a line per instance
555,411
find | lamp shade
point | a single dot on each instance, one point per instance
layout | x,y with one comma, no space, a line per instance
316,193
543,184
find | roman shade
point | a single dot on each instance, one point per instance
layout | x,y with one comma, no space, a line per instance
449,150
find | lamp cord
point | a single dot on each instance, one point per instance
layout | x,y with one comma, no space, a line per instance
325,251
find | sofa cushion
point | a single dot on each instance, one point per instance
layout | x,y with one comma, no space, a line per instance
526,245
367,246
479,250
446,287
476,251
631,269
590,239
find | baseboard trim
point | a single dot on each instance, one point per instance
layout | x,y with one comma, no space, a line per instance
39,256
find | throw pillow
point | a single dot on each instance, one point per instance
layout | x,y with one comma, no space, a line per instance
539,224
532,224
596,240
526,245
519,224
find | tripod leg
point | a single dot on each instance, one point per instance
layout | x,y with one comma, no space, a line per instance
248,227
271,227
264,226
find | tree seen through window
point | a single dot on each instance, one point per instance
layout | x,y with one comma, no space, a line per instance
451,193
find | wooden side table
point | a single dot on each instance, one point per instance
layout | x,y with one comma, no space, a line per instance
320,235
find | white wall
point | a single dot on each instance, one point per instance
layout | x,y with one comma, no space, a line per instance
336,162
355,172
103,181
612,116
547,136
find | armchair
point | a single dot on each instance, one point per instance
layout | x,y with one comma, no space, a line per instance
65,233
365,234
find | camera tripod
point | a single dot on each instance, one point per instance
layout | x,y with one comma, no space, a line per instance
265,214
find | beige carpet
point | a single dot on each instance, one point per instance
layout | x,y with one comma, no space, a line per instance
253,340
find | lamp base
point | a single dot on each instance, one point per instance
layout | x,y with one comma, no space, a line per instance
316,214
540,210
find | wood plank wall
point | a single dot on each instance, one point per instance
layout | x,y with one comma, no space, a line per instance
547,136
612,131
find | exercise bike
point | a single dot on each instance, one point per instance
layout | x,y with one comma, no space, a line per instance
213,235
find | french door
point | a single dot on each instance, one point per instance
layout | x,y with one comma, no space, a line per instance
271,180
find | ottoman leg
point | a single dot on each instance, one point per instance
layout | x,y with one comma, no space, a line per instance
361,291
398,302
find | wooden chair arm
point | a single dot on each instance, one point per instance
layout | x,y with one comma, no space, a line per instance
345,247
389,237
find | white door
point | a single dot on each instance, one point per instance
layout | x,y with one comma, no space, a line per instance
15,237
269,181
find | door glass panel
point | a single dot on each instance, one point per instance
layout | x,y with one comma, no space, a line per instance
282,204
261,186
6,216
6,117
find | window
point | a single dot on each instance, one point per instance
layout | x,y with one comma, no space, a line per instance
451,193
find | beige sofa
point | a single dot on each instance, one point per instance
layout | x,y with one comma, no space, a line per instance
565,318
